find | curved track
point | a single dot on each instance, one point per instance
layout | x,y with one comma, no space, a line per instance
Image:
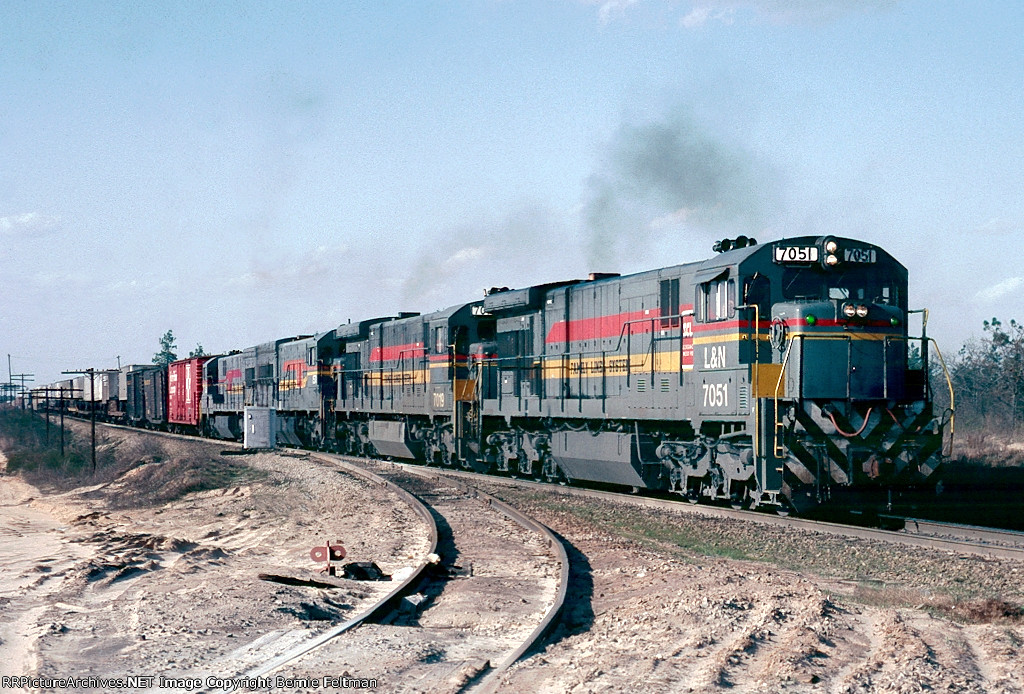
985,542
498,588
489,681
500,585
383,604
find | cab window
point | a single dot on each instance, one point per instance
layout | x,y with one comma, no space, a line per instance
440,341
718,300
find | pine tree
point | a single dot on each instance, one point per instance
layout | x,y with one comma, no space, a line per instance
167,352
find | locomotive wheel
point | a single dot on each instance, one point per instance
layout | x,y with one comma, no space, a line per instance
444,456
740,498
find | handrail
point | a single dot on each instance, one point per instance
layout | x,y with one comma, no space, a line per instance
849,338
949,384
778,450
755,377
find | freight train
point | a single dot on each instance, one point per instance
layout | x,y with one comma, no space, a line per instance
780,375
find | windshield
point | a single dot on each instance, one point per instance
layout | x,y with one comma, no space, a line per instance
858,283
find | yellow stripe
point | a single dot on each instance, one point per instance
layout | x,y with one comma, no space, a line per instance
810,336
395,378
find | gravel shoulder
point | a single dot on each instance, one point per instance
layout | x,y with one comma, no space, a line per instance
681,602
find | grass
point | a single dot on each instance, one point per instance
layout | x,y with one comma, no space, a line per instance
988,447
967,610
23,438
134,471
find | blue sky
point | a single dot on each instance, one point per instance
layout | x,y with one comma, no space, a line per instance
242,171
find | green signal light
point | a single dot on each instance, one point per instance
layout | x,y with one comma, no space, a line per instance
811,319
894,321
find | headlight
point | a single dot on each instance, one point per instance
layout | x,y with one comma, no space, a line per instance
831,246
862,311
831,260
849,310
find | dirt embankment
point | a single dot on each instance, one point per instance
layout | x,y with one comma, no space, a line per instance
156,570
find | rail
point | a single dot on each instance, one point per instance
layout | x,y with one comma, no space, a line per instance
984,547
489,682
381,605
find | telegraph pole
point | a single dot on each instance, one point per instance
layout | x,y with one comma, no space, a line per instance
22,377
91,373
46,396
62,419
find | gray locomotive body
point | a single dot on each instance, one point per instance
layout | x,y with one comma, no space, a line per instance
774,374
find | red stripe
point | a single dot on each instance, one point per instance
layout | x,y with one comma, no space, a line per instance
298,365
601,327
396,352
837,323
604,327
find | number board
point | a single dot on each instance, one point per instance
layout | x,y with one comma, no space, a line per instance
859,255
796,254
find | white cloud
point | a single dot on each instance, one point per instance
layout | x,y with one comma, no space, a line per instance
313,268
998,291
703,12
673,219
608,9
465,255
67,280
994,227
28,224
701,15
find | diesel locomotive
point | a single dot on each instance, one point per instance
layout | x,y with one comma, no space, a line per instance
780,374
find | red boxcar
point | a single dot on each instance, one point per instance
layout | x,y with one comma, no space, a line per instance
185,391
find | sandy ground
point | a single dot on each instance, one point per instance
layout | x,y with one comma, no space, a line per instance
648,615
104,581
96,583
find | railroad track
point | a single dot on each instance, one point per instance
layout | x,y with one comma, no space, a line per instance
503,580
993,538
490,680
487,550
381,606
987,542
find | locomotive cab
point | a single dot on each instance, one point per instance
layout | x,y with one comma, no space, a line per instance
839,327
841,409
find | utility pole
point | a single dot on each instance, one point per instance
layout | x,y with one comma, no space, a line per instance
23,377
46,396
62,419
91,373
